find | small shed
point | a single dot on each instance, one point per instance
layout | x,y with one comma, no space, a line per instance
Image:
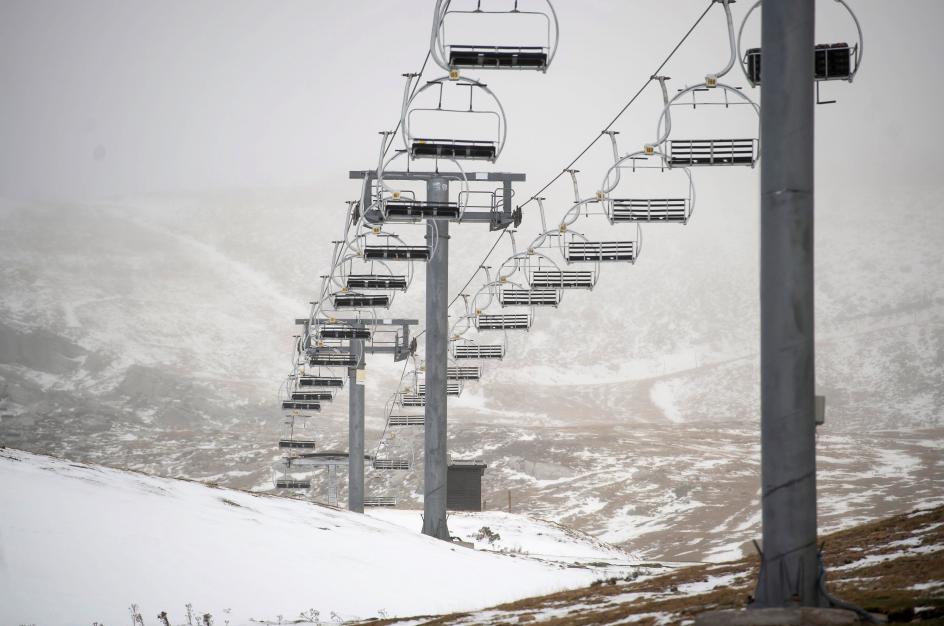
464,485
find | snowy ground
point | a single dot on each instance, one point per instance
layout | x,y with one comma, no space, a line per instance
81,543
527,537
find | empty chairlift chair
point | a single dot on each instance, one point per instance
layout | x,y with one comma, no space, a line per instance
313,396
295,405
331,358
649,210
831,61
412,210
597,251
376,281
487,121
528,297
396,253
412,400
503,321
694,152
453,388
360,301
538,28
391,464
463,372
406,420
342,331
380,501
296,444
292,483
329,382
478,351
565,279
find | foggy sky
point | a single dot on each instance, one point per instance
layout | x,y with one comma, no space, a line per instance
106,97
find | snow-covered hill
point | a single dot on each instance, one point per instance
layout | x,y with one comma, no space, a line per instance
81,543
152,332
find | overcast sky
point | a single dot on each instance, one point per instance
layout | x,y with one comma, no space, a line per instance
106,97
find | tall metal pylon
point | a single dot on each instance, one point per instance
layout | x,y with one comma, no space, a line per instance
497,217
401,347
790,569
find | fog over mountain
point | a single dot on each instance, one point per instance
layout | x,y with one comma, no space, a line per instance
148,289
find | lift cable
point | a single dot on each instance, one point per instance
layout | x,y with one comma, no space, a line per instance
591,144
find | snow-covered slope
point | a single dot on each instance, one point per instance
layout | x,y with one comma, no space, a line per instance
81,543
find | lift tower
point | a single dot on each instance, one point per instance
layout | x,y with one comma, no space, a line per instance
439,212
358,338
789,571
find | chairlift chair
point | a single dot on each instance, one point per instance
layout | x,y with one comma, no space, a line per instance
503,321
599,251
376,281
831,61
453,388
380,501
453,56
360,301
651,207
528,297
296,444
562,279
463,372
341,331
409,209
466,350
396,253
692,152
312,396
320,381
406,420
291,483
451,148
323,357
293,405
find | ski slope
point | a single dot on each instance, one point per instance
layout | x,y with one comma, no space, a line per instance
81,543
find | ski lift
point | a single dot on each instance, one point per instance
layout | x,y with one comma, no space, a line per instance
376,281
292,483
503,321
463,372
320,381
691,152
380,501
296,436
597,251
396,253
294,405
312,396
342,331
411,210
453,388
477,351
529,297
326,357
406,420
835,61
428,146
393,454
412,400
357,300
453,56
562,279
653,206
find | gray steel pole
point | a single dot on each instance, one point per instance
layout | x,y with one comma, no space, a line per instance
789,573
355,418
437,300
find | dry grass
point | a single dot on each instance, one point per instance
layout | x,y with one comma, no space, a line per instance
883,587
